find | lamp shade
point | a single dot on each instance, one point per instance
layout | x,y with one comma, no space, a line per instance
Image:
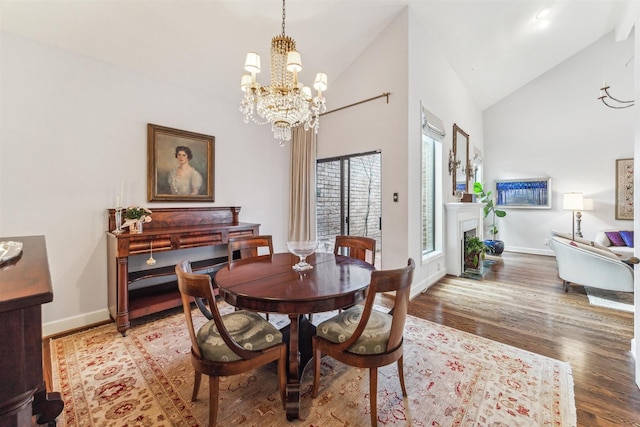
294,61
572,202
320,83
252,63
246,82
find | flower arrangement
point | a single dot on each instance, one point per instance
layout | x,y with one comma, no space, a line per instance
138,213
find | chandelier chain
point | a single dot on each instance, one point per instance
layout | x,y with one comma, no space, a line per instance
284,15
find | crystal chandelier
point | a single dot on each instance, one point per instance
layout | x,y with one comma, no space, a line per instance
286,103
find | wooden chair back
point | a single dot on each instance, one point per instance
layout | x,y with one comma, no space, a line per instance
360,247
398,280
199,286
248,247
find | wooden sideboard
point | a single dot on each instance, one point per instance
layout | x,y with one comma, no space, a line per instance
25,284
171,229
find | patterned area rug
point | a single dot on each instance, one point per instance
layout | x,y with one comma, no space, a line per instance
453,379
611,299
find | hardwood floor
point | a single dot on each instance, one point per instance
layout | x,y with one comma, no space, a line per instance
521,302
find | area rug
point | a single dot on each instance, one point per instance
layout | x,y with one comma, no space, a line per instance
611,299
453,379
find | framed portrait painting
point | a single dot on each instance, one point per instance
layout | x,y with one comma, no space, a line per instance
624,189
180,165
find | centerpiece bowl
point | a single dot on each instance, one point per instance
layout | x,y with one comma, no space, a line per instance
302,249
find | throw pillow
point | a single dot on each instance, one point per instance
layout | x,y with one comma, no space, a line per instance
616,239
627,236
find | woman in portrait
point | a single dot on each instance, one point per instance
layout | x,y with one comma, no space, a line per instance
184,179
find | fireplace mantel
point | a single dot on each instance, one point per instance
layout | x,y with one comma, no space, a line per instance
461,217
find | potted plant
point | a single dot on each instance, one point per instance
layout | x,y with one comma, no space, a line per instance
135,216
495,246
474,250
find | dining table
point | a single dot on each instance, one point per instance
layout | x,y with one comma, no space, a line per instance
269,283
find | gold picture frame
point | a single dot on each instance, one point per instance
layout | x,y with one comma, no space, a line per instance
624,189
180,165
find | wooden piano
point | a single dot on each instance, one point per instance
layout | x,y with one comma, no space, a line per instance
170,229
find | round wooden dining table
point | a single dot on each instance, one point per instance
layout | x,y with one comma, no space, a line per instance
269,284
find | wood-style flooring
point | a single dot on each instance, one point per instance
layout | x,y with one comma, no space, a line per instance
521,302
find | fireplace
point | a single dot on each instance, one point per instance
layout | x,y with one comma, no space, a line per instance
472,232
463,220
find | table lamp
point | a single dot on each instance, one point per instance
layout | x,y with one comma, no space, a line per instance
573,202
587,205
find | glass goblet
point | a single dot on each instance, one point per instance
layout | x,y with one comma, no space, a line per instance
302,249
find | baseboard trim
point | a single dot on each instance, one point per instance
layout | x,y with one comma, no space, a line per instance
75,322
532,251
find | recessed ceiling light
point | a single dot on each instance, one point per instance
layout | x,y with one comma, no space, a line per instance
542,18
542,14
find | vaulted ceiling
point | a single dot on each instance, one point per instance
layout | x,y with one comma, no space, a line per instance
494,46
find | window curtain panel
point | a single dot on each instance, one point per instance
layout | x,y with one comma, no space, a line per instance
302,178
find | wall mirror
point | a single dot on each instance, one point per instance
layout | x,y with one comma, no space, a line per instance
461,172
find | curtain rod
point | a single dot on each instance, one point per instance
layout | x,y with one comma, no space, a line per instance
385,94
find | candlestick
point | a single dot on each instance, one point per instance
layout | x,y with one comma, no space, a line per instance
118,217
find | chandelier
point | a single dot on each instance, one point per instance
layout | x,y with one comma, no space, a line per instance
286,103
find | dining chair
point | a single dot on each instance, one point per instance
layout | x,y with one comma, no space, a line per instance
249,247
243,247
363,248
364,337
360,247
227,345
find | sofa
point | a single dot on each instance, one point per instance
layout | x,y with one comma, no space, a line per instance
619,242
592,265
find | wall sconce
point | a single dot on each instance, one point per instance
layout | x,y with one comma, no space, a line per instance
453,163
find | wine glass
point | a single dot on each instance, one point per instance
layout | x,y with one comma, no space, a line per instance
302,249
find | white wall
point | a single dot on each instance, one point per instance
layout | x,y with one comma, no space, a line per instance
73,127
376,125
434,83
555,126
403,60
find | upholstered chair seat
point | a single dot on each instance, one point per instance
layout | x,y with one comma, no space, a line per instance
247,328
237,342
364,337
373,340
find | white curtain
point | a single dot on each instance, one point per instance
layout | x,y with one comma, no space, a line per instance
302,178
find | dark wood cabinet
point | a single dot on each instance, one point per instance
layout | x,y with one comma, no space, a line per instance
25,284
171,229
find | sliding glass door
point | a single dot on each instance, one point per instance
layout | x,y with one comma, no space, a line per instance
348,198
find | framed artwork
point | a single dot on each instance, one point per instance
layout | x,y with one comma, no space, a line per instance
533,193
180,165
624,189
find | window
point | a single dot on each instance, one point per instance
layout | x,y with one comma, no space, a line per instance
431,185
428,194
